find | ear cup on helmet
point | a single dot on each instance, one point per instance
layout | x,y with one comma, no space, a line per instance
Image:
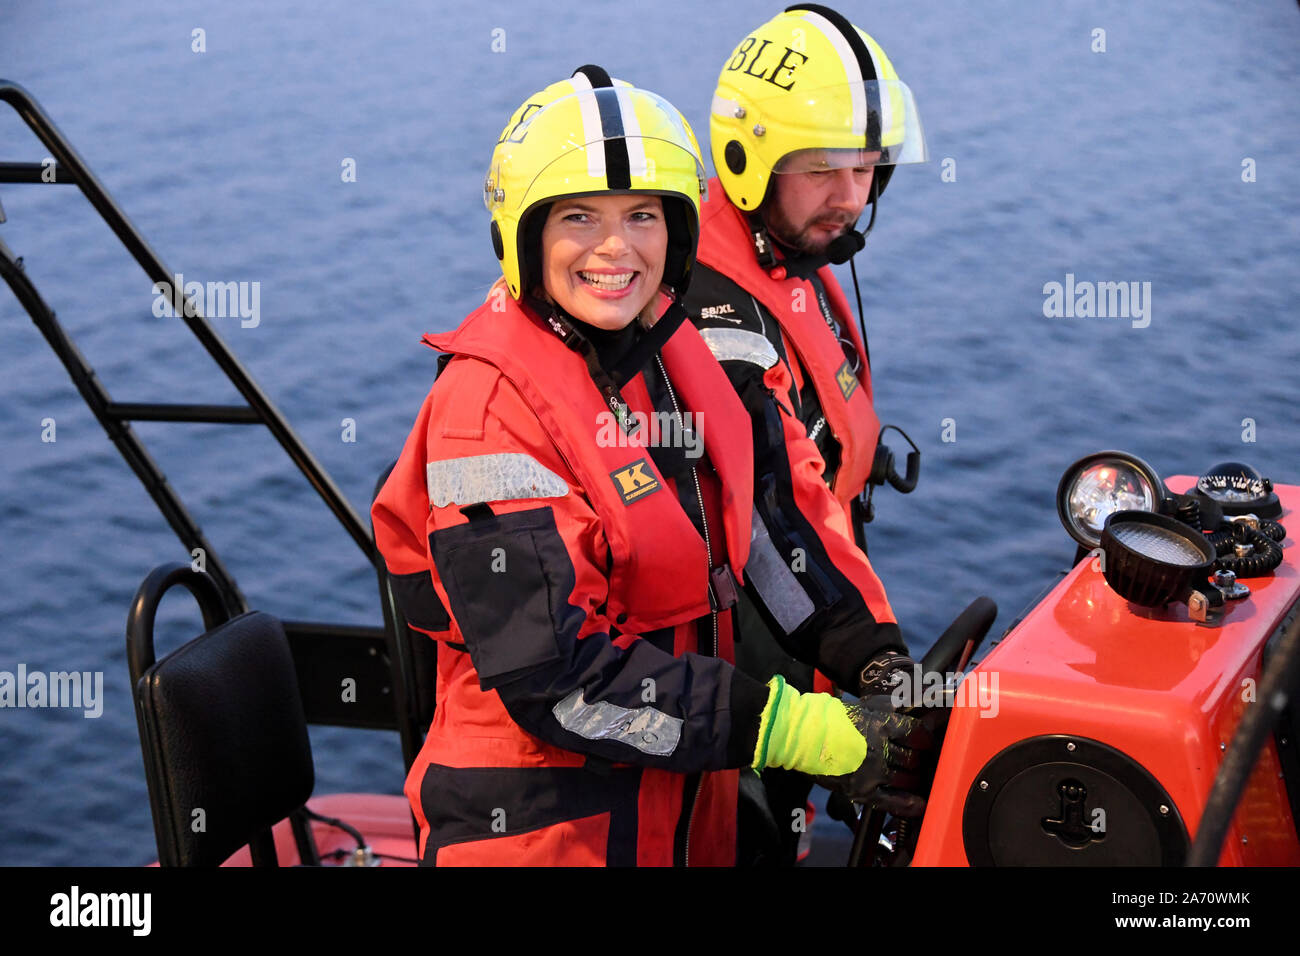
735,156
498,246
683,238
530,246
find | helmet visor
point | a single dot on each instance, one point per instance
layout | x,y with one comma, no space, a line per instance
873,123
609,139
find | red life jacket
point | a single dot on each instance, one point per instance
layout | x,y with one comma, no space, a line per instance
656,535
846,399
657,575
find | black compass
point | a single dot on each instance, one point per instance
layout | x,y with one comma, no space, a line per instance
1239,489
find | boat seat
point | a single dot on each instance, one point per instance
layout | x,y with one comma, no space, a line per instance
222,729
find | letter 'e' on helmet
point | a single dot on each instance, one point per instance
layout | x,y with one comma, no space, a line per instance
585,136
808,91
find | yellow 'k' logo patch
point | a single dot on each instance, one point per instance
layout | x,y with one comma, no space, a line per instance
635,481
847,380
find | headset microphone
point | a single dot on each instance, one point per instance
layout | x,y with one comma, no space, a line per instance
844,247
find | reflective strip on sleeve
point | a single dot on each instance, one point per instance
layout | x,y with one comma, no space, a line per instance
780,590
502,477
737,345
648,730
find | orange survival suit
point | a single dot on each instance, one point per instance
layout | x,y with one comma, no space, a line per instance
814,333
580,581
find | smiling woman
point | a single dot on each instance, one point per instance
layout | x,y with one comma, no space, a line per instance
572,726
603,257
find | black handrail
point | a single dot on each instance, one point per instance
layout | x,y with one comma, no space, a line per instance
120,433
34,172
69,164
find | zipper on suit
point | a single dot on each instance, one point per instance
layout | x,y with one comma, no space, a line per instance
713,614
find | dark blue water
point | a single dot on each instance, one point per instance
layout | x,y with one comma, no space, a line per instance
1123,165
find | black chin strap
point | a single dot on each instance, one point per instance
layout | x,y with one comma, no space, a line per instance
764,248
562,326
794,264
608,381
799,265
649,343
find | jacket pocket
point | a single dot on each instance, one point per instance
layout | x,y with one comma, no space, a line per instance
529,816
582,842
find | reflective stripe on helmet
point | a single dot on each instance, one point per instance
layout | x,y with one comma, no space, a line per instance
850,46
852,70
591,125
615,162
723,106
631,134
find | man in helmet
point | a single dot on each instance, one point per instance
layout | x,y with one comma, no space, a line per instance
806,125
579,570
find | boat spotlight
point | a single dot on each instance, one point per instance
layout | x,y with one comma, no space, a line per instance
1100,484
1152,559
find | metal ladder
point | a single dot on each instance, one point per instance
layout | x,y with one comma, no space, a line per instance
377,658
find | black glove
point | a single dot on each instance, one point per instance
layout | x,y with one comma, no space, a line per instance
894,766
897,677
885,672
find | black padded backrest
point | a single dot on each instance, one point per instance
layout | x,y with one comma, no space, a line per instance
224,729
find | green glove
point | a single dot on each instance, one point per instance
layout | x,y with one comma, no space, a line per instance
811,733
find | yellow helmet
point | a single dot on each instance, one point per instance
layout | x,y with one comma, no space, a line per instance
587,135
805,91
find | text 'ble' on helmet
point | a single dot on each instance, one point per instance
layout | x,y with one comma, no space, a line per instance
809,91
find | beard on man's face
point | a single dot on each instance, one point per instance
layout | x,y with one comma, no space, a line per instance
803,237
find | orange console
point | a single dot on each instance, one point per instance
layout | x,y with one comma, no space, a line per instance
1096,728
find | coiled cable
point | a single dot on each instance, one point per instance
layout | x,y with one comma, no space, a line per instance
1264,558
1272,529
1265,555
